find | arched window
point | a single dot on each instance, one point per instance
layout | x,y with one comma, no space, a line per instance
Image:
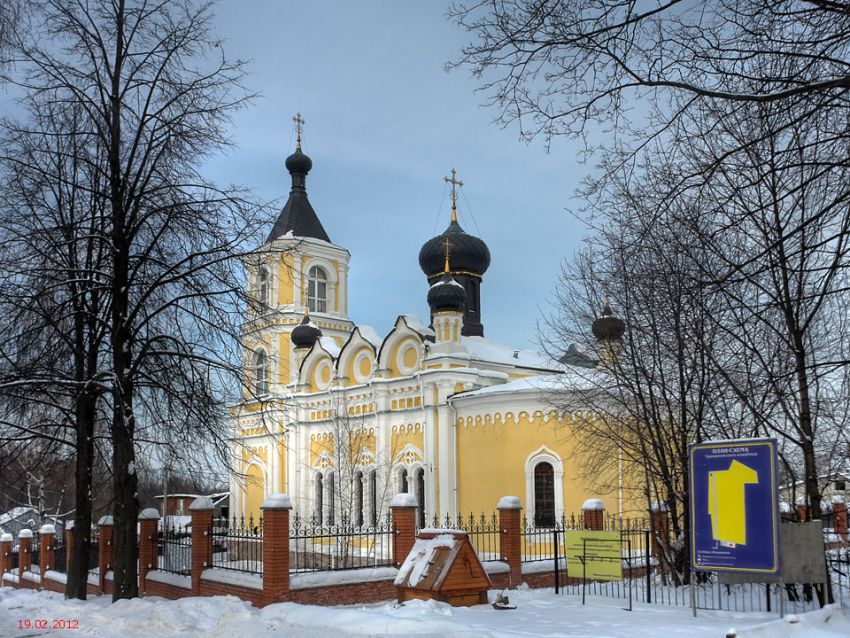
331,498
320,489
317,290
373,497
263,287
261,373
402,481
358,499
420,495
544,495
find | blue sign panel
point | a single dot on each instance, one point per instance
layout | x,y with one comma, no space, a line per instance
734,506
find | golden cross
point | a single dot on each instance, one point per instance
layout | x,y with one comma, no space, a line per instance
455,183
299,128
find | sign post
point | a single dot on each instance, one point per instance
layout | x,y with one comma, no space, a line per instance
734,507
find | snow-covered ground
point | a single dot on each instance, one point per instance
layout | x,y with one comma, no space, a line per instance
538,613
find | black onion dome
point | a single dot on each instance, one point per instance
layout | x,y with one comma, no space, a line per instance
299,162
305,334
608,327
468,252
447,295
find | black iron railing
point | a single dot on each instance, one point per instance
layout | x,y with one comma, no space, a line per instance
238,544
320,547
484,532
174,549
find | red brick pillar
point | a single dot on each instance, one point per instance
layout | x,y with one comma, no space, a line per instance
275,511
660,525
201,510
802,512
839,518
510,544
47,549
403,508
104,550
594,514
5,558
24,554
148,555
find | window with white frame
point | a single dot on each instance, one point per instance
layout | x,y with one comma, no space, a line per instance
261,372
317,290
263,286
544,487
544,495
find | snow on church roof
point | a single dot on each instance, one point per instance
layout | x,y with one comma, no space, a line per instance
330,346
569,380
371,335
495,352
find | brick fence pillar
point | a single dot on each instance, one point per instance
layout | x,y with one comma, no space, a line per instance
275,511
201,510
802,512
594,514
660,526
104,550
510,545
148,555
5,554
839,518
47,549
24,554
403,508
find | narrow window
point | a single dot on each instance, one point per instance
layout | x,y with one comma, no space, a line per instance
320,499
403,481
261,373
331,498
373,501
358,499
544,495
420,495
263,287
317,290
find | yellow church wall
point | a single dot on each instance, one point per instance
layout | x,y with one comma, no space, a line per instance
320,444
406,434
286,281
492,459
255,490
284,362
408,357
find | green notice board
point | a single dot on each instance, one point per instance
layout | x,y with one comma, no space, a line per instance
601,552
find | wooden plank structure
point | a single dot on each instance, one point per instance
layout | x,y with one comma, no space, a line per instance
443,566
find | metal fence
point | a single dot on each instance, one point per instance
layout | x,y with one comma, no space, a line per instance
484,532
314,546
238,544
174,550
60,557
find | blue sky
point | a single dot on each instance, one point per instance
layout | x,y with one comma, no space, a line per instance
385,123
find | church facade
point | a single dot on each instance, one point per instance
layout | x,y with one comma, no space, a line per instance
342,419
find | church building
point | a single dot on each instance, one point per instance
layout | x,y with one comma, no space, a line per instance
342,418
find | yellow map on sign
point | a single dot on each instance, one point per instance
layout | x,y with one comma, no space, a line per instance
727,503
593,555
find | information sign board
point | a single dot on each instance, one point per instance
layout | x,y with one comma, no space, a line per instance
600,550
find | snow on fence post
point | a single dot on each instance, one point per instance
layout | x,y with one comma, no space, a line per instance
839,517
403,508
47,549
148,555
104,550
510,544
275,548
24,554
201,510
5,555
594,514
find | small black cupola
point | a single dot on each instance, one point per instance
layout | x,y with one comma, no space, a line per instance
608,327
298,216
306,333
446,295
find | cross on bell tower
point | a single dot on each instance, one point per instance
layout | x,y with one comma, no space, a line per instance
299,128
455,183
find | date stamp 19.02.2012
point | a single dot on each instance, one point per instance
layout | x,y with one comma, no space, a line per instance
48,623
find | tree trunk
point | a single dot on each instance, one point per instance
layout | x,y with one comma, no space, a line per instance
77,582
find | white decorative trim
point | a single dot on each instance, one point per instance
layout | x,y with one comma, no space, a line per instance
541,455
409,456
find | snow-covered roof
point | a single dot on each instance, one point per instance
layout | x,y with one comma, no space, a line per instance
414,322
429,561
330,346
485,349
568,380
371,335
